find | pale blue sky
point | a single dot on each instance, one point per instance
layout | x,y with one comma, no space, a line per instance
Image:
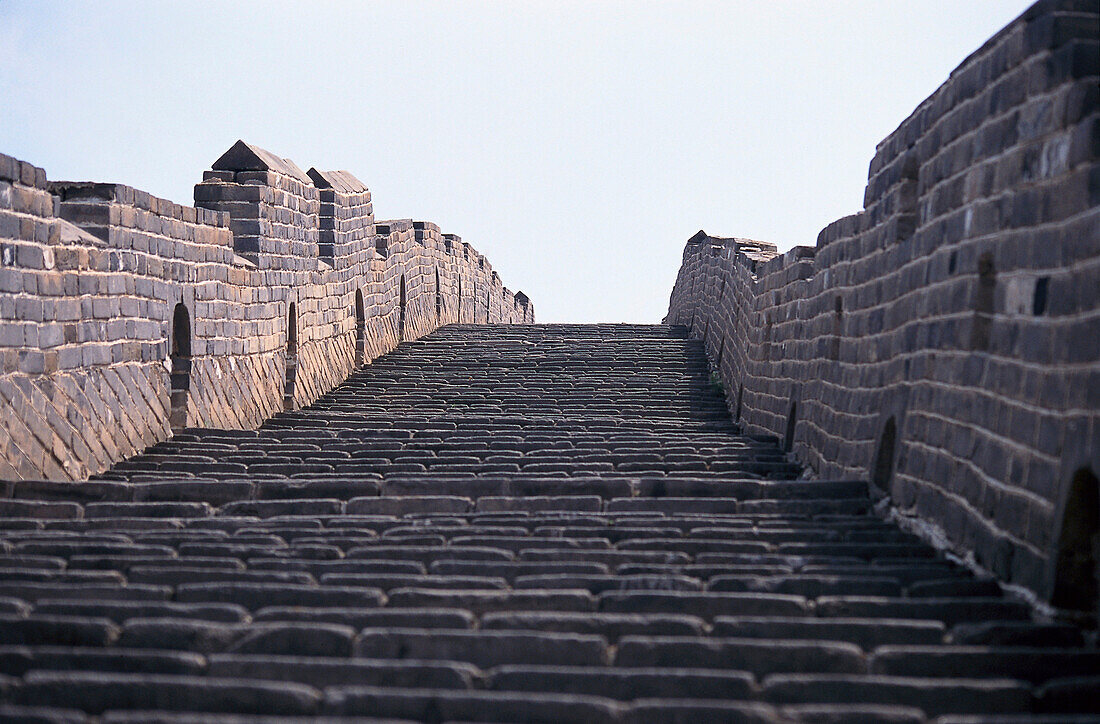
577,144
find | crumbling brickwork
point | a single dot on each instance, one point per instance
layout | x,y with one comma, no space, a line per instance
123,316
945,341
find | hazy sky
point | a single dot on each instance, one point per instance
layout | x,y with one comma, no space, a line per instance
577,144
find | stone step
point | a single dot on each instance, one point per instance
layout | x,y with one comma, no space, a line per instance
1034,664
759,656
321,672
611,626
869,634
484,649
18,660
934,697
625,684
122,611
360,618
97,692
446,705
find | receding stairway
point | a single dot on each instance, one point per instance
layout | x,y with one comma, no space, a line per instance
551,523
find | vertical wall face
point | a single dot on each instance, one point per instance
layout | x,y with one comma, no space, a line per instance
124,316
943,343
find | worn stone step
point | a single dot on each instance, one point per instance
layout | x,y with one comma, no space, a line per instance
480,602
933,696
625,684
602,583
512,570
390,582
1034,664
810,586
484,649
18,660
51,575
678,711
358,618
122,611
34,591
282,638
706,605
853,712
867,633
46,629
759,656
439,705
177,575
949,610
324,672
612,626
1017,633
98,692
254,596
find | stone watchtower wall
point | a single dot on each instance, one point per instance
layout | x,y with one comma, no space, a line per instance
124,316
945,341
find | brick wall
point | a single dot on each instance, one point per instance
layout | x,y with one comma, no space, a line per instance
945,341
99,360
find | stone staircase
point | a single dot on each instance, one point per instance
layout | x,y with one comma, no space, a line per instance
504,524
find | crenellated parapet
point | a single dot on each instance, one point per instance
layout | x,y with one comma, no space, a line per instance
124,317
944,342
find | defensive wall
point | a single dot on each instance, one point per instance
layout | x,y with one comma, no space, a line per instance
944,342
124,316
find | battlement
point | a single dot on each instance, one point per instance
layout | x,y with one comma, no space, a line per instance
124,316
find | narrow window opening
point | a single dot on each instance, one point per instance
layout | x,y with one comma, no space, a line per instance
360,329
488,302
983,303
788,436
401,312
291,357
438,299
952,262
180,378
460,301
740,395
721,351
1039,301
883,470
1076,574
